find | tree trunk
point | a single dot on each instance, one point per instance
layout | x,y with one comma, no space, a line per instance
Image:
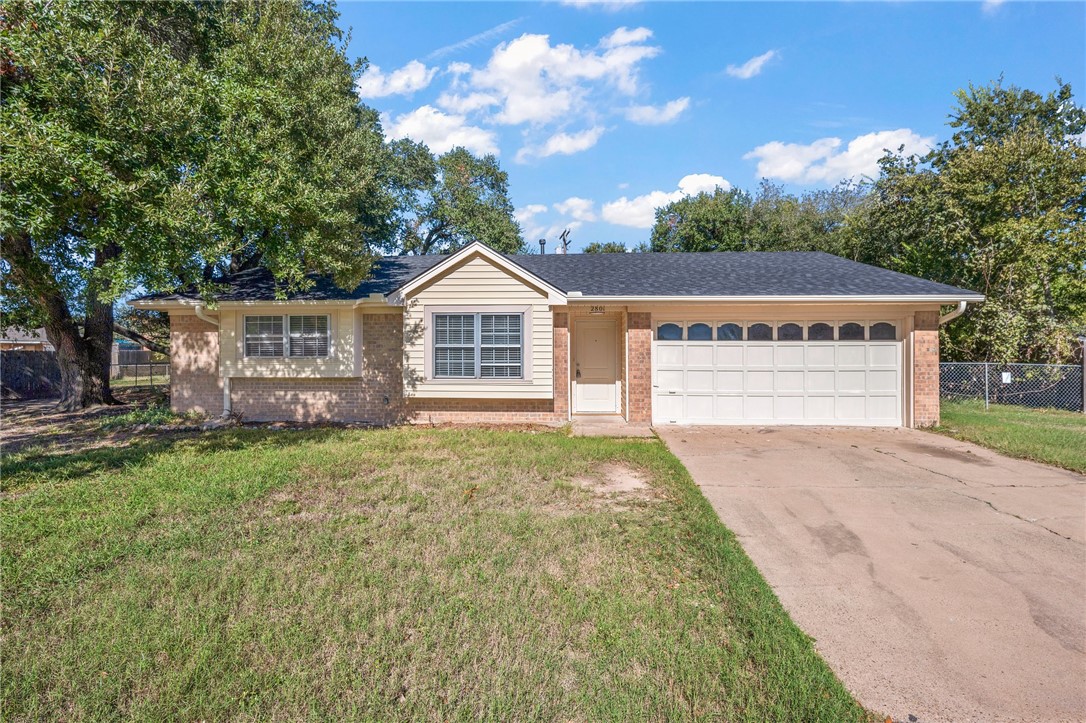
84,359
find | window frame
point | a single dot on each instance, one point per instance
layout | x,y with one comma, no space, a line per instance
284,336
431,346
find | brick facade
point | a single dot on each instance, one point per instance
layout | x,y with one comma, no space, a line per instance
639,374
195,384
377,397
561,364
925,355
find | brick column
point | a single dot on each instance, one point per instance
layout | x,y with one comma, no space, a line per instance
195,384
561,364
926,369
639,374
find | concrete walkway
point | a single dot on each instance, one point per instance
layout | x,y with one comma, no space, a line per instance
608,425
941,581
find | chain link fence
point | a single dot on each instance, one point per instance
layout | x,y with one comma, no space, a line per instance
1058,386
150,374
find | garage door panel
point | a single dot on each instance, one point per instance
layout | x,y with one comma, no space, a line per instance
851,355
882,380
883,355
822,381
699,380
729,355
758,407
820,409
789,381
670,380
882,408
789,356
729,380
851,382
699,407
821,355
759,381
729,409
669,355
851,409
787,408
699,355
760,355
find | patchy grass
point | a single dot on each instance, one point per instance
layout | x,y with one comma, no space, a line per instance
155,415
439,574
1044,435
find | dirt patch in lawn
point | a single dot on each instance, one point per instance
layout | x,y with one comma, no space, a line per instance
36,424
617,483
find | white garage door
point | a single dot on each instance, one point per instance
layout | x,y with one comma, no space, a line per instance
823,372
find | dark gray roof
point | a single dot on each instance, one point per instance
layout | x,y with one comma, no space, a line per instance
747,273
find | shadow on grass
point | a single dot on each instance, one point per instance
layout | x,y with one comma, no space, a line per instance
22,469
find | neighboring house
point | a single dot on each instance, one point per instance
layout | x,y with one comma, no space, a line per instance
478,336
18,340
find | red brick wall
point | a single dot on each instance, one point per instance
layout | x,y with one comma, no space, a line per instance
195,385
925,369
561,364
376,397
639,374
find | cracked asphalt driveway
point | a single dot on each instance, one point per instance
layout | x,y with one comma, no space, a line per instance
940,580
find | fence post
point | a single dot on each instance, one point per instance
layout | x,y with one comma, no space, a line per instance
986,375
1083,368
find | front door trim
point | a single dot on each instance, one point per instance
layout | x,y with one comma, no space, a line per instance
590,392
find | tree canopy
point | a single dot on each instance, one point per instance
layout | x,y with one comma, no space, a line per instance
146,144
605,247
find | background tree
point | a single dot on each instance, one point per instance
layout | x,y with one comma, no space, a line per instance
447,202
998,208
605,247
146,145
717,221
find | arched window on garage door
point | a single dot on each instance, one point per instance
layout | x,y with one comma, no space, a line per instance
669,332
760,332
883,331
851,332
729,332
699,332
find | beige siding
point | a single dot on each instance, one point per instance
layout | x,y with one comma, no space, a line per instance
340,362
478,284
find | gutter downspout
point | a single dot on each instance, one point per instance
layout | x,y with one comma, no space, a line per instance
202,316
954,314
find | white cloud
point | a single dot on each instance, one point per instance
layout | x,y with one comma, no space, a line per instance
609,5
411,77
752,67
651,115
465,103
990,6
565,144
625,36
539,82
443,131
826,161
640,211
474,40
581,209
525,214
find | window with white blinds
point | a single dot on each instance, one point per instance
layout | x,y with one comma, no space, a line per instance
478,346
263,336
293,336
309,335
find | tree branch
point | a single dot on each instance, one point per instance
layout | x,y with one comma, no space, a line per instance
141,339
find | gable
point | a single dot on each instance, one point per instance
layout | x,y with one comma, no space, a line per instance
476,279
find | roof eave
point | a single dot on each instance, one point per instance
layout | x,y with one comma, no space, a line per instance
822,299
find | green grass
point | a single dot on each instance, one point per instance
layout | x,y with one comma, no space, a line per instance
436,574
1044,435
154,415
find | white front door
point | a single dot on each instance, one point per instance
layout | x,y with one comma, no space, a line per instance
595,366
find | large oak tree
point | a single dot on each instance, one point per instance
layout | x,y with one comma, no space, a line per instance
149,145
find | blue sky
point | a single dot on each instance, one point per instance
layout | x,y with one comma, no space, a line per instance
601,111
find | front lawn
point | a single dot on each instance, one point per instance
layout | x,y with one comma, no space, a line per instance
430,574
1044,435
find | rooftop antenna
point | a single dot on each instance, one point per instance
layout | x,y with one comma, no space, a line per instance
563,238
542,246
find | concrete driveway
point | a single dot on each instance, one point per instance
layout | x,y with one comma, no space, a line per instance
941,581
